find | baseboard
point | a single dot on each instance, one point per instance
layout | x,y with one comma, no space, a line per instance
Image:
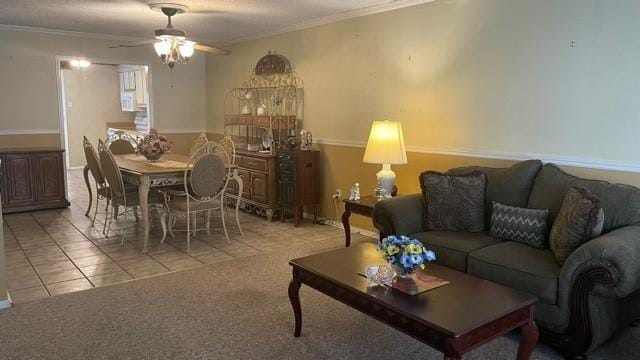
5,304
338,225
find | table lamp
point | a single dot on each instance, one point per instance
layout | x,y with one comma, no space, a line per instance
386,147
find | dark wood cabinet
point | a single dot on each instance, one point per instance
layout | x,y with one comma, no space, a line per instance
32,179
19,187
258,173
258,187
299,182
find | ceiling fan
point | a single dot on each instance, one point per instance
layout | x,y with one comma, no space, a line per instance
172,44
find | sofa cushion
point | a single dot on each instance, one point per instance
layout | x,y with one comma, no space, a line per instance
528,226
620,203
575,223
518,266
453,247
510,186
454,202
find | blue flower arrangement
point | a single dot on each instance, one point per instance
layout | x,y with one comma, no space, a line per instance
404,254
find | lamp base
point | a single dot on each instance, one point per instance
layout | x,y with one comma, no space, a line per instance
386,181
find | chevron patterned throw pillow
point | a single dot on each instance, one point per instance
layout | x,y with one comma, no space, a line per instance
528,226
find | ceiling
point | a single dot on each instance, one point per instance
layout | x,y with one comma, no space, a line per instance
211,21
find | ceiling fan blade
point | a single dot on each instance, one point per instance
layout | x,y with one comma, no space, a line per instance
134,44
211,49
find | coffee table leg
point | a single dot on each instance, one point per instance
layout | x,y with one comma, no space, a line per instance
294,297
528,340
450,350
347,228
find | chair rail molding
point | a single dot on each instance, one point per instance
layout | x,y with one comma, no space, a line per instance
30,132
601,164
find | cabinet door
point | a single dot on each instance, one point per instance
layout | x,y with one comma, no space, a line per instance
49,176
121,77
138,75
307,177
246,183
286,190
19,180
258,187
132,80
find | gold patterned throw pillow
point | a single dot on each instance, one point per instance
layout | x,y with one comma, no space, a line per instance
454,202
575,224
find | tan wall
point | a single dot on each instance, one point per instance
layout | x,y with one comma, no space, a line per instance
342,166
181,142
93,99
483,76
29,140
29,95
486,78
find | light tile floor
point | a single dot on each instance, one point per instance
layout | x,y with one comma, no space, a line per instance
58,251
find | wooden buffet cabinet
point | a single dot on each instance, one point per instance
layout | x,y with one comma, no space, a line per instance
32,179
258,173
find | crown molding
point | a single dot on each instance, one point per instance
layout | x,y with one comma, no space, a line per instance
29,132
375,9
69,33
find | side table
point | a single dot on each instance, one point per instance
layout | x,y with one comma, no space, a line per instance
362,207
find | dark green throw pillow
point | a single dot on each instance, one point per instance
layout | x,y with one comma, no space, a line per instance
579,216
528,226
454,202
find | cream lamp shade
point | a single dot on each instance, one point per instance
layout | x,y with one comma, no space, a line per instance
386,147
386,144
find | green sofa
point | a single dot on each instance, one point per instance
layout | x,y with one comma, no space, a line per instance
582,303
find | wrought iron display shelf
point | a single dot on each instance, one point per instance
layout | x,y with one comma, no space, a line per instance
274,122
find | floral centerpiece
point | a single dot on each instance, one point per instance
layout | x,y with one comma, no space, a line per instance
405,255
153,145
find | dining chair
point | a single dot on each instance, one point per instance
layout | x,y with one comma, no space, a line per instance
93,163
119,195
205,182
201,140
121,146
229,150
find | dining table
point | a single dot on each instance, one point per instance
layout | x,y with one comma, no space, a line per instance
167,171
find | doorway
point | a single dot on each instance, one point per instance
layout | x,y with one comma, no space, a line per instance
101,99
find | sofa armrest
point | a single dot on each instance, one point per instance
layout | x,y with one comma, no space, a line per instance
611,260
401,215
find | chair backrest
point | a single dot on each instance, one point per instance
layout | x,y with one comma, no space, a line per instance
201,140
121,146
93,162
207,177
230,147
111,172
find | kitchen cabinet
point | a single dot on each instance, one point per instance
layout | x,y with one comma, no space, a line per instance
133,88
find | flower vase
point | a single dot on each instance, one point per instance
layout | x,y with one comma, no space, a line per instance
153,157
402,272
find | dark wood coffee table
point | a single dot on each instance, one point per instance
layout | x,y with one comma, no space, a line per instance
453,319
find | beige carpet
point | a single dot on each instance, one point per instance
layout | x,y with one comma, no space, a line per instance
232,310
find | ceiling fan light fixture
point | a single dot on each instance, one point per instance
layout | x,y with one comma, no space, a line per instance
162,47
186,49
80,63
